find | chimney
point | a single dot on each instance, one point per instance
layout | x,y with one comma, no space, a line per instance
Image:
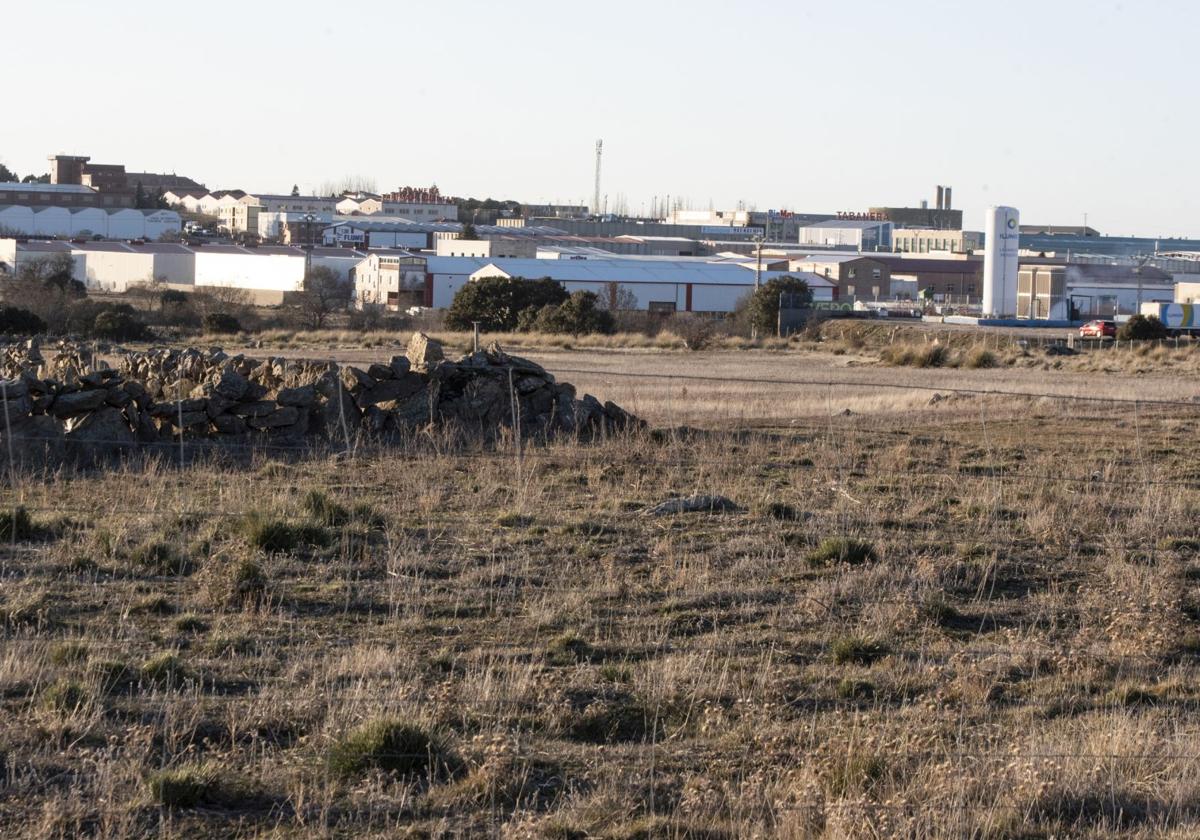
924,203
940,196
947,198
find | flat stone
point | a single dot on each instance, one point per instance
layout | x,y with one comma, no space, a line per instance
285,416
253,409
303,396
79,402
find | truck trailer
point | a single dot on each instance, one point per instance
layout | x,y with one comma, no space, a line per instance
1178,318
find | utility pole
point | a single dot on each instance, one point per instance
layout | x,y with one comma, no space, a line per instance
758,240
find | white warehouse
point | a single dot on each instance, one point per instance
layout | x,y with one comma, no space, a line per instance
657,285
110,223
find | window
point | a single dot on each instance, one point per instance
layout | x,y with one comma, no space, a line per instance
853,273
850,291
876,274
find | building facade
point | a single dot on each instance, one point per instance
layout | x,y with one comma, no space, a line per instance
927,240
856,234
392,280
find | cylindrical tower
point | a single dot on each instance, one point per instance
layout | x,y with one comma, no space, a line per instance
1000,258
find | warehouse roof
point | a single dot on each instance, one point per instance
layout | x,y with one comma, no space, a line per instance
846,224
32,186
637,271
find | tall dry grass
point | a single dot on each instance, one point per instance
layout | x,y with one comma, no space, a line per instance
450,641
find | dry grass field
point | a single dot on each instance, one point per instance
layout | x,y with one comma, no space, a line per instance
969,615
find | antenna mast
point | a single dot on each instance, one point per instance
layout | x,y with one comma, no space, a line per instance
596,194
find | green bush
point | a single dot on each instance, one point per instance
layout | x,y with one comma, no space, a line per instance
763,307
221,322
111,321
1142,328
392,746
842,550
20,321
497,302
580,314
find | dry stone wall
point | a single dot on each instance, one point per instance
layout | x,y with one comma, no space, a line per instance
65,400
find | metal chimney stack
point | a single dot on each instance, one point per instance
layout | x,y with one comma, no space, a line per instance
947,198
940,196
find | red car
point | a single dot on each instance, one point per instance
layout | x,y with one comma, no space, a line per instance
1098,329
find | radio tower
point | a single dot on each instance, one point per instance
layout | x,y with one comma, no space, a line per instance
596,194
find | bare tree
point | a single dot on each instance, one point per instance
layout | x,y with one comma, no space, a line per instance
324,293
348,184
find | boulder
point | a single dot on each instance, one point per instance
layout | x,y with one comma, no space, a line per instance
230,424
104,429
78,402
380,372
260,408
231,384
424,352
304,396
391,390
400,365
284,416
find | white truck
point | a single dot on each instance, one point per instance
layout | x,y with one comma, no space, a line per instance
1178,318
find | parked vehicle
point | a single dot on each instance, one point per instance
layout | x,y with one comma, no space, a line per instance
1098,329
1178,318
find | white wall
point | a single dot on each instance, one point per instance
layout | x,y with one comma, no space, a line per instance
267,272
115,271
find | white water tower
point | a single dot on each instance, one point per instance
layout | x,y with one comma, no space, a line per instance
1000,257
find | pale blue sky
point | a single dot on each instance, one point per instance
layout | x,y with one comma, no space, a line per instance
810,106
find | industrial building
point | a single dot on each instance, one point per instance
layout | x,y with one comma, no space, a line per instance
106,222
115,266
930,240
855,234
512,247
1079,292
855,277
15,254
939,217
657,285
364,204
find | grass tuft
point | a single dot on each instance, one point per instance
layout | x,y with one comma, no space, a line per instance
836,550
392,746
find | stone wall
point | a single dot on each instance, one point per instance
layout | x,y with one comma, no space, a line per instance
164,396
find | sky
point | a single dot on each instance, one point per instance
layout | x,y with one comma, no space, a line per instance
1060,108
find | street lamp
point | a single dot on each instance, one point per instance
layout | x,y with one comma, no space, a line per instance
309,218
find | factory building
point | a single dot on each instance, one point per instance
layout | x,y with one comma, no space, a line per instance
1079,292
855,277
662,286
115,266
15,254
106,222
930,240
511,247
855,234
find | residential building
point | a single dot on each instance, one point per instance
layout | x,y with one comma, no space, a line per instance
292,203
392,279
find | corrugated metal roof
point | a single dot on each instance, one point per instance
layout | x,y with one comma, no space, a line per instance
637,271
45,188
848,224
